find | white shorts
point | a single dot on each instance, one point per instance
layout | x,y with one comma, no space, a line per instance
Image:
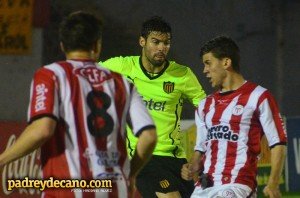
224,191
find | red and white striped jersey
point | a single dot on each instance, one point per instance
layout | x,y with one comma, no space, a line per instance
91,105
229,129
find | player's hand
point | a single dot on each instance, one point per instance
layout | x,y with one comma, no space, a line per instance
187,171
131,187
272,191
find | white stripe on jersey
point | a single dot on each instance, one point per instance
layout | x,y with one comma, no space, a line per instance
30,99
245,127
222,144
59,103
243,111
269,125
71,150
208,121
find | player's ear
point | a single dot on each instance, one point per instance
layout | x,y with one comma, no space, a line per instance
98,46
142,41
227,63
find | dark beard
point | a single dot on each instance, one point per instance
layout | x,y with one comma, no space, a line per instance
156,63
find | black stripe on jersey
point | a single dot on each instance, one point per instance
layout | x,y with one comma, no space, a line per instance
279,143
131,87
158,74
34,118
144,128
129,146
200,151
129,123
175,124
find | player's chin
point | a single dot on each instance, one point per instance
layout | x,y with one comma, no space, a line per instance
158,63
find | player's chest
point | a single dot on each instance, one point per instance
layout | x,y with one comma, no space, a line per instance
163,89
234,111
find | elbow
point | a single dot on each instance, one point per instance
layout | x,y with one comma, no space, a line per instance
149,137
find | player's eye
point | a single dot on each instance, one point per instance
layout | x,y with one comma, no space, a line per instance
156,42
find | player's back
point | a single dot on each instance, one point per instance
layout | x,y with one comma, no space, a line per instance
90,105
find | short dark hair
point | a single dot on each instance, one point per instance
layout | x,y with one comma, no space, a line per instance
222,47
79,31
155,24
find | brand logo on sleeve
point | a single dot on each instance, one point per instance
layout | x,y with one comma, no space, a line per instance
41,91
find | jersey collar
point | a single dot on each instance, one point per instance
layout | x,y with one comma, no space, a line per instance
158,74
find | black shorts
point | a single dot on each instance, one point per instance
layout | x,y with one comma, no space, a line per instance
163,174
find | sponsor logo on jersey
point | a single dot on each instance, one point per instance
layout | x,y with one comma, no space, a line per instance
164,183
94,75
238,110
152,105
220,132
40,98
228,193
113,176
168,87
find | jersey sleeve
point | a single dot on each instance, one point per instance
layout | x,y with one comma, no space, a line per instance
138,118
201,129
43,96
193,90
271,120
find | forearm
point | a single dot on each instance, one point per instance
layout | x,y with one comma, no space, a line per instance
32,138
196,161
278,154
143,152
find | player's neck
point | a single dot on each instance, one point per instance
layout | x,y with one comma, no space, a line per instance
233,81
151,68
81,55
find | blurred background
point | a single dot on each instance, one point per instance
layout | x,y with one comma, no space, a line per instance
267,31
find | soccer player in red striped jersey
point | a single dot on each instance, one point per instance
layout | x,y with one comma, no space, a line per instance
78,113
230,124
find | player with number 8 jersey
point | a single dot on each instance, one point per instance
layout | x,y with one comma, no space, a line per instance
77,115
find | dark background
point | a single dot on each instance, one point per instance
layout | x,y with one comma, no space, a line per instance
267,31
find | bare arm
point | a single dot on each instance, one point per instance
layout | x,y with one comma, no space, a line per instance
188,170
145,146
32,138
277,161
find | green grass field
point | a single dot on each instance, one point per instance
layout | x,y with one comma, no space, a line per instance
291,195
284,195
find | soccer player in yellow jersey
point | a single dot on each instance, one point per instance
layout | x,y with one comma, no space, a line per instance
163,85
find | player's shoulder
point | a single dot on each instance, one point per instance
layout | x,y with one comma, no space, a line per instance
178,68
51,67
175,65
124,59
255,88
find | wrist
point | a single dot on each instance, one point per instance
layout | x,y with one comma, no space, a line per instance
272,184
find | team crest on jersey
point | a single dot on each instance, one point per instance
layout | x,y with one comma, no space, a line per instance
164,183
168,87
238,110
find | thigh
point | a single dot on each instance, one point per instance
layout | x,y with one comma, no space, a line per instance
230,191
162,174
